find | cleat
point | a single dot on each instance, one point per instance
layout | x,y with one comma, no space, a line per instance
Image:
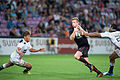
107,73
26,73
99,75
1,68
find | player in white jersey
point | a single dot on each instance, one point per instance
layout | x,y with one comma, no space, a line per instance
16,56
114,36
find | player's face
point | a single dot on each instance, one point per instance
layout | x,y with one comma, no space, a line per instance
75,23
27,38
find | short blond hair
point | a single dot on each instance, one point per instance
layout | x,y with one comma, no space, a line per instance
75,18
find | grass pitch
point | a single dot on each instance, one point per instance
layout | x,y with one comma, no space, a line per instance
59,67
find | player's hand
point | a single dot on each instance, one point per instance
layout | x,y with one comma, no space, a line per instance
75,29
78,27
42,49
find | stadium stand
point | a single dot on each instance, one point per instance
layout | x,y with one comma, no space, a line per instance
44,17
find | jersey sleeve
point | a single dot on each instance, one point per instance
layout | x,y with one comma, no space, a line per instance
105,34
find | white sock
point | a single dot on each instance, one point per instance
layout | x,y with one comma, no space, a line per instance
112,64
4,65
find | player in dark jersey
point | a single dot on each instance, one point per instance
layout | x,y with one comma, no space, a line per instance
83,46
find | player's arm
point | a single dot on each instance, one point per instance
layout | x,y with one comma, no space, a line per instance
36,50
94,34
72,36
81,30
19,52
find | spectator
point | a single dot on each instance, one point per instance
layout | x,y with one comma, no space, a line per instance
66,32
13,32
13,4
1,6
4,6
10,23
77,4
19,11
24,14
21,31
19,24
38,32
13,14
7,15
52,34
55,15
41,27
29,7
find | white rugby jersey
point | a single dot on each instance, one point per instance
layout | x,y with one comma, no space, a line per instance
24,47
113,36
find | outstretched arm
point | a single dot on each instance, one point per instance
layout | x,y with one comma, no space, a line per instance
36,50
94,34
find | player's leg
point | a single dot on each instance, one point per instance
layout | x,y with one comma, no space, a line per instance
6,65
22,63
28,67
99,74
92,68
112,57
78,56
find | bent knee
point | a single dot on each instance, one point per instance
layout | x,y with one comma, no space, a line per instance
76,57
28,65
111,57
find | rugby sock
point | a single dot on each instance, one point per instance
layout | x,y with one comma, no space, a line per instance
111,67
84,61
3,66
89,66
27,69
96,70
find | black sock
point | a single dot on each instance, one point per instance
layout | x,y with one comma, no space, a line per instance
88,65
27,69
1,68
84,61
111,69
96,70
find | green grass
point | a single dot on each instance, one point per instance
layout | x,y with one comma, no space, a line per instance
59,67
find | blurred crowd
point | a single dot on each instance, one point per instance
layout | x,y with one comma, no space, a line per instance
54,16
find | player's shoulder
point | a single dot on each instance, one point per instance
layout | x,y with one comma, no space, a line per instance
115,32
22,41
